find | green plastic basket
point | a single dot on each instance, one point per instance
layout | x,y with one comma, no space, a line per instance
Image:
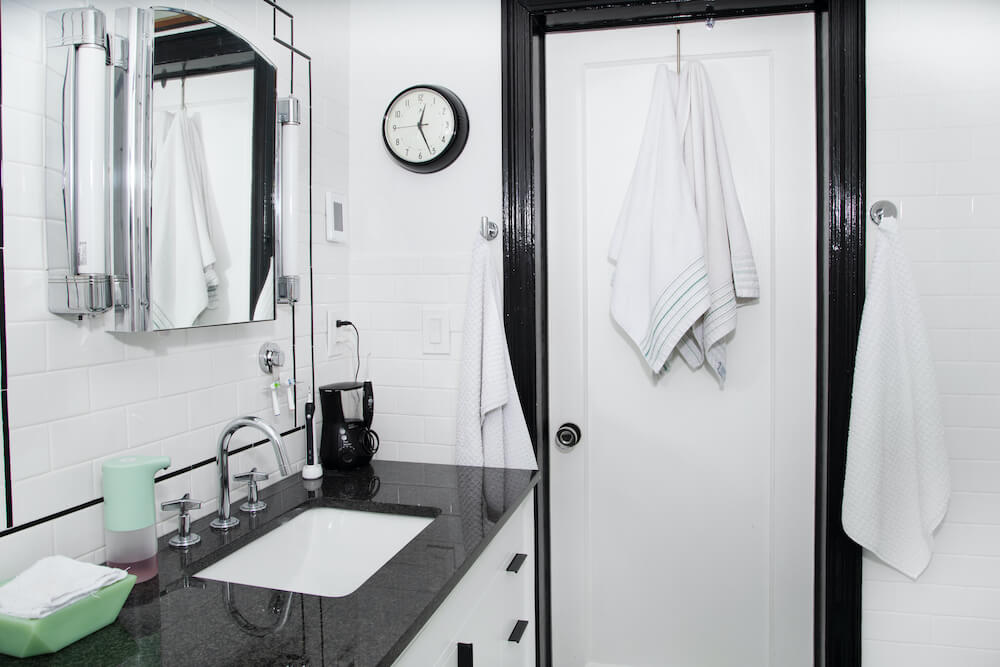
24,637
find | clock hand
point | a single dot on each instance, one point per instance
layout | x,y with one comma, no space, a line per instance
421,128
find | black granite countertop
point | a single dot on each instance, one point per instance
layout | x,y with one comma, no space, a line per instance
179,619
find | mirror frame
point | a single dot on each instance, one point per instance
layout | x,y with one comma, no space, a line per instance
132,219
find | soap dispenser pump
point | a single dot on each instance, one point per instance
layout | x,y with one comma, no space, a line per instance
130,513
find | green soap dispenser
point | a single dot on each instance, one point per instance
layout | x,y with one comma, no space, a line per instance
130,513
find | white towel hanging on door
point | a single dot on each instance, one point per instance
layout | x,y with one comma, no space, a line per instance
897,483
732,273
660,285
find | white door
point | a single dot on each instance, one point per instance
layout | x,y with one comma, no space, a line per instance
682,524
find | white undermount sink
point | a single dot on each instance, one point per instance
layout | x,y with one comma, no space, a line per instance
323,551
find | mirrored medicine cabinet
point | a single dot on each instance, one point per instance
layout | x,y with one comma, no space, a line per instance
162,170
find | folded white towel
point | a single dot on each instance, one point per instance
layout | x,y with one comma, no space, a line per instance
53,583
897,484
660,283
732,273
490,425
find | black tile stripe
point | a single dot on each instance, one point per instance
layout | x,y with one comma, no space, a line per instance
96,501
4,416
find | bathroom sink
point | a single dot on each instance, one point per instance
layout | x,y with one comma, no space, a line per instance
323,551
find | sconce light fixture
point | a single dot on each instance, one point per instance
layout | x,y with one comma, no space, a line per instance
287,185
77,234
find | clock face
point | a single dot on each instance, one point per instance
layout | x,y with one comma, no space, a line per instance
425,128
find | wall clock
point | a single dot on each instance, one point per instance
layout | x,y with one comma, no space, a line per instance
425,128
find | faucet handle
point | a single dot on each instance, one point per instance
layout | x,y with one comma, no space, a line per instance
182,504
253,476
253,503
184,537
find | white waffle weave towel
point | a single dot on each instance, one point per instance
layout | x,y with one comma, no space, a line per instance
897,483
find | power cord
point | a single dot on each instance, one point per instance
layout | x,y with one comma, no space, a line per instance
357,347
369,439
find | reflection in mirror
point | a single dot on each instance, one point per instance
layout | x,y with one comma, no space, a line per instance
213,128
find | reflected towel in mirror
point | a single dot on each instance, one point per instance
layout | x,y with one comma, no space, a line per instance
184,212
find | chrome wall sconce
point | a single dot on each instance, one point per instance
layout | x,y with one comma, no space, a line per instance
78,249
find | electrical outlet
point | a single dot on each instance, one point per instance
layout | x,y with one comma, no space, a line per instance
335,336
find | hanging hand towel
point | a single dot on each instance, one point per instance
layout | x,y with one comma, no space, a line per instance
490,425
660,282
732,274
897,484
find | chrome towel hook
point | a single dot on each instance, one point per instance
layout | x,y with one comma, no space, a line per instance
882,209
488,228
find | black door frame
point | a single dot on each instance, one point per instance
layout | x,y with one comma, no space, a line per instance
840,188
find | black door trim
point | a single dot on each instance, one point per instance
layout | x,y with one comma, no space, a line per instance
840,202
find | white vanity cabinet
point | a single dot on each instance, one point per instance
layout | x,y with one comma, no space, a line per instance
484,609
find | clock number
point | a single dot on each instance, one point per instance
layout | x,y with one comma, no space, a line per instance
444,139
433,151
407,151
398,113
420,156
397,141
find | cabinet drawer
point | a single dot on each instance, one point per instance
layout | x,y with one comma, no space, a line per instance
508,599
497,599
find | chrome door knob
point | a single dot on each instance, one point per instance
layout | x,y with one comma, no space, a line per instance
568,435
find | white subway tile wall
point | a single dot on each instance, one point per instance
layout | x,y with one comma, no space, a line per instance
78,394
415,392
934,148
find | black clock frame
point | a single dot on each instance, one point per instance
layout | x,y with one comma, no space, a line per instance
451,151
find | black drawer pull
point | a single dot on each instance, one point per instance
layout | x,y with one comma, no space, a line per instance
515,565
464,655
517,632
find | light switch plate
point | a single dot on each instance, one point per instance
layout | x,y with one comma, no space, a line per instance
336,218
436,330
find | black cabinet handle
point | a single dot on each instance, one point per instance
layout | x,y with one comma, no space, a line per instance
517,562
464,655
517,632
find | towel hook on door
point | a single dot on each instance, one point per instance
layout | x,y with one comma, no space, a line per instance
678,50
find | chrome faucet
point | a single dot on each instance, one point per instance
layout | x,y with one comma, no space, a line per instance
224,521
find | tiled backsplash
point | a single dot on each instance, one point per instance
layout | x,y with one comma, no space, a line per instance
415,391
79,394
934,149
